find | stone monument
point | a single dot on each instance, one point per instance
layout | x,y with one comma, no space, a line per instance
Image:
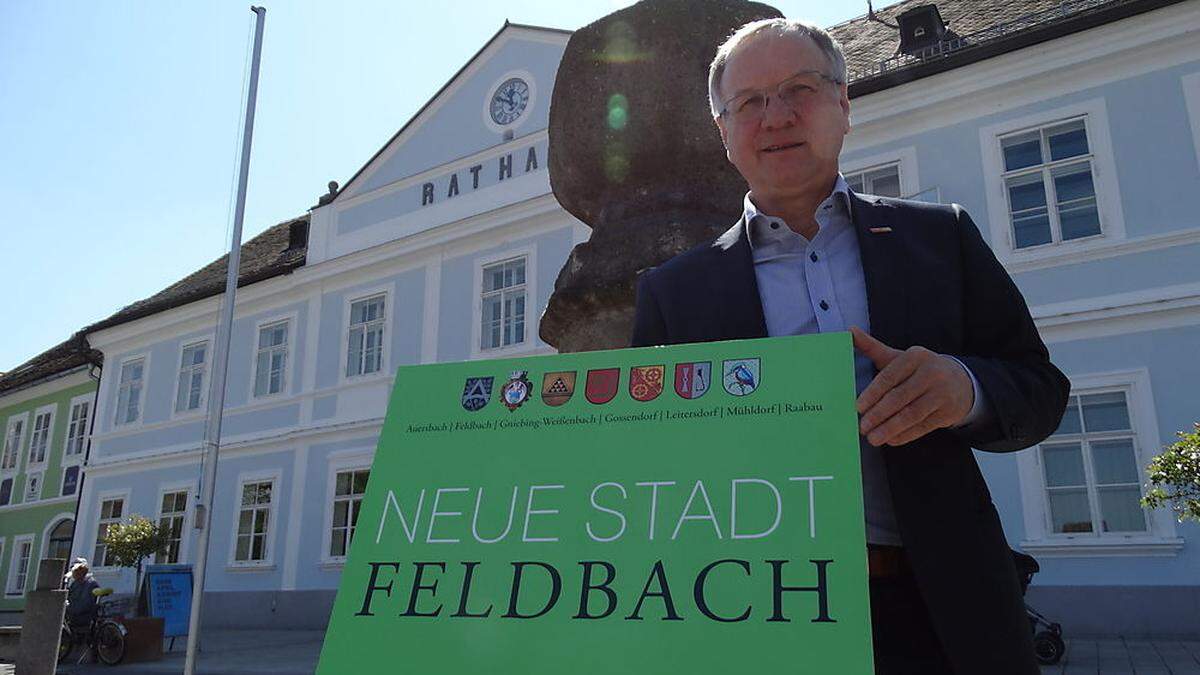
41,625
635,155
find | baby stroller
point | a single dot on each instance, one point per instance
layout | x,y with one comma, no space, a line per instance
1047,636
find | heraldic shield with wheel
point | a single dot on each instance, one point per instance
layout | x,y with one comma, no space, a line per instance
646,382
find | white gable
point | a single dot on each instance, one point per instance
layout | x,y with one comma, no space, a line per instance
453,159
456,123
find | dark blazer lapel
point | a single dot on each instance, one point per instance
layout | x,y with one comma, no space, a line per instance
734,288
881,248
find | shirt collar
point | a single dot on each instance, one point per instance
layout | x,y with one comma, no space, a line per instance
753,218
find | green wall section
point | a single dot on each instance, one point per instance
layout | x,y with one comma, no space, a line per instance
37,517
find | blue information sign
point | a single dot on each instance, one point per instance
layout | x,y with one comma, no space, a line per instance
169,588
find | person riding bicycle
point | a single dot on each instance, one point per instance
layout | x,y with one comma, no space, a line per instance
81,603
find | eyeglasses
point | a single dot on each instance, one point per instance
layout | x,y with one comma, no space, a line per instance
798,92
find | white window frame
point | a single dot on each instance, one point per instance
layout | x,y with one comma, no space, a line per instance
273,526
1191,97
57,519
16,453
10,584
69,459
1104,180
533,311
94,537
48,448
201,408
290,355
353,460
141,416
30,477
389,310
904,159
1158,540
85,440
188,488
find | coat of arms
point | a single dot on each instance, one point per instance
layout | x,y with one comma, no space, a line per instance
557,388
601,385
477,392
741,376
692,379
646,382
516,390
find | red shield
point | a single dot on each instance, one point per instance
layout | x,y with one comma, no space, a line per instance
602,384
646,382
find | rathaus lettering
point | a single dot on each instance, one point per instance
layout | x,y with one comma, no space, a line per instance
504,167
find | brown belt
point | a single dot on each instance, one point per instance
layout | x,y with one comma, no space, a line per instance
887,562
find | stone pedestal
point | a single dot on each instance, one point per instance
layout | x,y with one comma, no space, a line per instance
41,626
635,155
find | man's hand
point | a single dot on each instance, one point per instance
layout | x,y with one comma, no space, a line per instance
915,392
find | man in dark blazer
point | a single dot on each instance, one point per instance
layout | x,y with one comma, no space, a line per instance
947,355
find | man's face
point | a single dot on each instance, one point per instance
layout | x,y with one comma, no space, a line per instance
79,573
787,149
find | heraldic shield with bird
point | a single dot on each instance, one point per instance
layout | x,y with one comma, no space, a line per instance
741,376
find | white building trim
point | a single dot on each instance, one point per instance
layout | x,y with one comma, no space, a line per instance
50,525
481,59
115,393
532,307
190,487
289,369
905,158
1160,540
202,408
93,539
431,309
1104,176
32,466
272,534
77,458
1118,314
1191,97
18,452
346,460
388,291
13,589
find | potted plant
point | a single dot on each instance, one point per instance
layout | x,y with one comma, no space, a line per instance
129,544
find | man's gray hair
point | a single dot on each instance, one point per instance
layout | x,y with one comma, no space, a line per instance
779,27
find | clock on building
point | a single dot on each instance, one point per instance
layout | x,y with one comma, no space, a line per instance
509,101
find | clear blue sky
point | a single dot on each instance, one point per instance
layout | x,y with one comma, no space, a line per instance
120,121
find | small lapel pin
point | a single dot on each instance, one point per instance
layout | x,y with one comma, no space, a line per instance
880,230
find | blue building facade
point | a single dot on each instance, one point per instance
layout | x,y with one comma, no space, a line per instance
1074,156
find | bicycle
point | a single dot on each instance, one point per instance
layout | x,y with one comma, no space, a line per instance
104,634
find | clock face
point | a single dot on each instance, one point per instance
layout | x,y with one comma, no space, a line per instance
509,101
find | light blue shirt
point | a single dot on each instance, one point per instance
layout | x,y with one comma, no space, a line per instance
817,286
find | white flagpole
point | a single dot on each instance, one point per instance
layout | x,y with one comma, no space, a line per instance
216,392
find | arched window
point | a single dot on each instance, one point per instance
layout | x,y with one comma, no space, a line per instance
59,543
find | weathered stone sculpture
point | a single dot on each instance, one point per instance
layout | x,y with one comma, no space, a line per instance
635,155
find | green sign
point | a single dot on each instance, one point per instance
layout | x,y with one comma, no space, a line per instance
690,509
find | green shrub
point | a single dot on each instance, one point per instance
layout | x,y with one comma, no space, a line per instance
1174,477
